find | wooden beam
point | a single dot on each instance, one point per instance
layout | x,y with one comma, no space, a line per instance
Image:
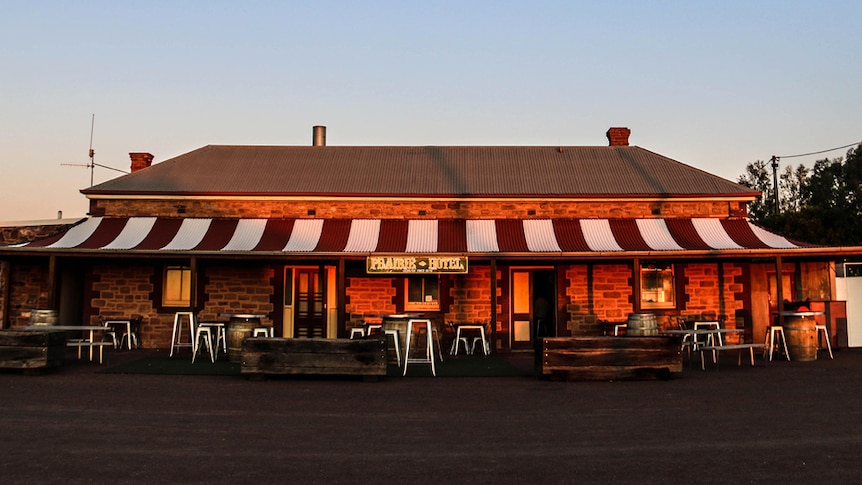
193,283
52,282
493,306
340,288
779,291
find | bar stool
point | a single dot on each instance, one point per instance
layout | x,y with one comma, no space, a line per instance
396,336
176,340
203,333
130,335
415,327
771,332
821,329
357,332
372,328
219,337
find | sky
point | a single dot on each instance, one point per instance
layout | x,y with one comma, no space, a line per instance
713,84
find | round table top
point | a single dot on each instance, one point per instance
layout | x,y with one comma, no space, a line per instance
244,315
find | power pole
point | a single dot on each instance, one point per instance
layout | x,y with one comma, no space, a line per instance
774,160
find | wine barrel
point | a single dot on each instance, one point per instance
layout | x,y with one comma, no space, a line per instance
641,325
237,331
801,335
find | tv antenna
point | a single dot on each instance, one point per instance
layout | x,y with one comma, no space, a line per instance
92,154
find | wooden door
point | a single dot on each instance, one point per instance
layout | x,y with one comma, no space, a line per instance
310,311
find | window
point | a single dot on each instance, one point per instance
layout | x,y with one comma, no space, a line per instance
423,293
657,286
176,286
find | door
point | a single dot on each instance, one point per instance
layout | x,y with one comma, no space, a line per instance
533,316
310,312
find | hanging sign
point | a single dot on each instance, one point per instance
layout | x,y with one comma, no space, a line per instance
416,264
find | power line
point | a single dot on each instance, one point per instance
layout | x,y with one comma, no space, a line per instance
821,151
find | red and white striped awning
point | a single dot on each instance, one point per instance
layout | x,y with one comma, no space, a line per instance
358,236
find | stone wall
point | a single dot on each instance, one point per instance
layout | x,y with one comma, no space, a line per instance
471,296
369,296
703,292
28,290
237,289
128,290
413,209
612,289
23,234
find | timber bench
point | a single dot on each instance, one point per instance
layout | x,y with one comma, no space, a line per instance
610,358
32,350
717,349
314,357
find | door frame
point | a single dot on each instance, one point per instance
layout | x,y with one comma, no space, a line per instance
527,320
327,275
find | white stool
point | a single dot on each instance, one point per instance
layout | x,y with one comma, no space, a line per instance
474,328
429,344
771,332
176,340
203,332
263,332
396,336
220,337
357,332
822,329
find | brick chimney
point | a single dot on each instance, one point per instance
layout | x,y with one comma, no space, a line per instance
618,137
318,138
141,161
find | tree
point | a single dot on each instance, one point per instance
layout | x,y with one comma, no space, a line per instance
822,205
756,177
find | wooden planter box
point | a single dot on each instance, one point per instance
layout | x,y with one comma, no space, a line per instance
610,358
32,350
314,356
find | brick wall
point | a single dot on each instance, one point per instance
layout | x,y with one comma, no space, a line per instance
406,209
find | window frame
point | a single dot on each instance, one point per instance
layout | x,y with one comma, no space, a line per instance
164,289
424,305
660,270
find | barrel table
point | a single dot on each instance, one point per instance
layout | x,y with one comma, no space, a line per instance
801,335
239,327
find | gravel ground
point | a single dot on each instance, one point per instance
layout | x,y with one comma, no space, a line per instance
778,422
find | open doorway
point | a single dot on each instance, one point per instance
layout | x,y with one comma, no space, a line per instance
533,311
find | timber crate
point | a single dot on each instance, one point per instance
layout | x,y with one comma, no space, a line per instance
610,358
314,356
32,350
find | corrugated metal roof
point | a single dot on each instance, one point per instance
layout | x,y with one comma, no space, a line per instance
482,236
504,171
